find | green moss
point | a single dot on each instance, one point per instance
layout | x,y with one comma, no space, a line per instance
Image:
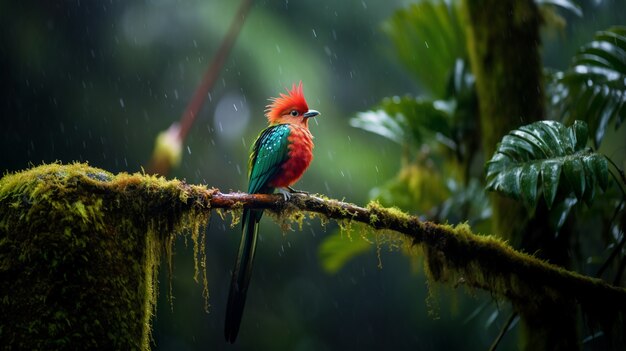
79,254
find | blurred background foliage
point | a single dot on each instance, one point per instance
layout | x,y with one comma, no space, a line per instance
97,81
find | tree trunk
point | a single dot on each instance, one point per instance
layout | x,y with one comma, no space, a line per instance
504,49
79,257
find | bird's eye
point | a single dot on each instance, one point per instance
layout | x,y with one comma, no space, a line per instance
294,113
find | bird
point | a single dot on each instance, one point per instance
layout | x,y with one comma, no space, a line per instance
280,155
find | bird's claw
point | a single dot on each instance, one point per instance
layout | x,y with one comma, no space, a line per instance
294,191
285,193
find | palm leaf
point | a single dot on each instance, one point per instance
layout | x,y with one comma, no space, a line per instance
381,123
549,157
428,37
406,120
568,5
593,89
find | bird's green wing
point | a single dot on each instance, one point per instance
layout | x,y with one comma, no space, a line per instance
269,153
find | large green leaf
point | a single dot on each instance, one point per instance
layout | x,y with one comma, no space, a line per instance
338,248
539,156
593,89
568,5
428,37
406,120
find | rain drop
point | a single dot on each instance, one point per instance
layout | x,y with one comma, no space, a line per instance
122,103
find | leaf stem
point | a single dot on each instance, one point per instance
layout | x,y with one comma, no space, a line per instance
505,328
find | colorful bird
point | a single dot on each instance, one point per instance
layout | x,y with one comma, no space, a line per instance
280,155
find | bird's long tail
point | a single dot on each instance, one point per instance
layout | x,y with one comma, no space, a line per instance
241,273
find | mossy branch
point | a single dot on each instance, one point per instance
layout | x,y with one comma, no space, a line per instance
109,231
479,261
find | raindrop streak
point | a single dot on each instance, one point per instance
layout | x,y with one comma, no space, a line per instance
122,102
314,34
426,43
188,149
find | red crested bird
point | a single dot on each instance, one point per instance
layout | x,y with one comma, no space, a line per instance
280,155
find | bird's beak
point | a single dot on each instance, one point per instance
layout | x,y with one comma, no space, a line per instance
310,113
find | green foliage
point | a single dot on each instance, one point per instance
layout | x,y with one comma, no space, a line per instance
535,156
564,4
338,248
417,188
437,134
593,89
440,134
428,37
406,120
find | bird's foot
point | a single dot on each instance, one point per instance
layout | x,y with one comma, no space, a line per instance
294,191
285,193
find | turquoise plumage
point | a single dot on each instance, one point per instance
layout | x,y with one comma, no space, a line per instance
268,154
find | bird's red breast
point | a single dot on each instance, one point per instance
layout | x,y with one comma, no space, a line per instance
299,157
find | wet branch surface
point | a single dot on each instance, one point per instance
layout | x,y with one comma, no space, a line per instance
452,254
527,279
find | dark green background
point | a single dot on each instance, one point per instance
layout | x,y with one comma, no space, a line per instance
96,81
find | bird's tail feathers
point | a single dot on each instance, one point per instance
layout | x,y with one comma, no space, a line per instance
241,273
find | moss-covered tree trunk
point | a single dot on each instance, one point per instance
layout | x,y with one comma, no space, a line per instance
504,49
79,251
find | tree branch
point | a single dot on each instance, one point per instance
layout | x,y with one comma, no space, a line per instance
76,214
483,262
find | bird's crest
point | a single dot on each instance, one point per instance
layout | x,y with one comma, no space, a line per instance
285,103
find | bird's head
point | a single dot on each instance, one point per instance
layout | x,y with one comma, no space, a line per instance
290,108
